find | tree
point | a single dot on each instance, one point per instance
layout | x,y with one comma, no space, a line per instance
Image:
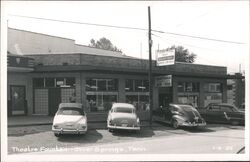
104,43
183,55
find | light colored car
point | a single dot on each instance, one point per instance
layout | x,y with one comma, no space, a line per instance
70,119
123,116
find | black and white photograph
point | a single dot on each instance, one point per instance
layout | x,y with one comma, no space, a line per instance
125,80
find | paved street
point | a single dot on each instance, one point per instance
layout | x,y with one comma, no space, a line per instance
214,138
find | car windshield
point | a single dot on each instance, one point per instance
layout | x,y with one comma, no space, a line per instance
70,111
123,110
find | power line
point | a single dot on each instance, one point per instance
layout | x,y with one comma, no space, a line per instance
169,40
132,28
198,37
77,22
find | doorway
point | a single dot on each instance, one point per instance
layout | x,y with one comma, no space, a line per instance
54,100
18,101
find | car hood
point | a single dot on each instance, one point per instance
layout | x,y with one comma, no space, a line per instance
60,119
123,116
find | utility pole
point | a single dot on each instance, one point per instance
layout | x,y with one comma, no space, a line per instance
150,69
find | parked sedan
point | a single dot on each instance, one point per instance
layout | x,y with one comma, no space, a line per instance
223,113
179,115
69,119
123,116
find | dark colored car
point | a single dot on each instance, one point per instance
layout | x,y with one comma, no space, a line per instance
179,115
223,113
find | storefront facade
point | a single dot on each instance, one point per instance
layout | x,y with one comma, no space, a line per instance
99,81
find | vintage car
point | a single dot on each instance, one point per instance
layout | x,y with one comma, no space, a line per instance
223,113
179,115
123,116
70,119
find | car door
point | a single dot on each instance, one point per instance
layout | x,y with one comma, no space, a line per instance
213,114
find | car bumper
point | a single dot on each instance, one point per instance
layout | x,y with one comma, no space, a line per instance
125,128
193,124
69,131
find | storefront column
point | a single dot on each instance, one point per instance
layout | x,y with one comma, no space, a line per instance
175,90
83,93
201,95
121,90
155,98
29,95
224,91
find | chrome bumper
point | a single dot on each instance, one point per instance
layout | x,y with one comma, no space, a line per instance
69,131
125,128
193,124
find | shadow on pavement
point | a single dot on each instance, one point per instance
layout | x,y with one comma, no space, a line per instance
198,130
138,134
167,126
90,137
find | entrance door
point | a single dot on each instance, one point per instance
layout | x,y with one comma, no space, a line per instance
54,100
165,99
18,102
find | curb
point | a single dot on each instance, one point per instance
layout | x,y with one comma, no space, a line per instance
50,123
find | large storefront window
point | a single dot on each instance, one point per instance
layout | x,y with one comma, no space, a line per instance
188,87
213,93
54,82
188,93
101,94
132,85
101,84
189,99
140,101
100,101
137,93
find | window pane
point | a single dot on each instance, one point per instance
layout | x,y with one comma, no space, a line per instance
129,85
59,82
49,82
180,87
38,82
101,85
91,85
138,85
71,82
112,84
146,85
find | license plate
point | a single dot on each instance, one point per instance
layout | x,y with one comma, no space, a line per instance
124,125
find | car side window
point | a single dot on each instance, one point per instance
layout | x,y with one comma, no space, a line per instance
226,109
214,108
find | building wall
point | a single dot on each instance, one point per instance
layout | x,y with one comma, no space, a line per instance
201,93
236,91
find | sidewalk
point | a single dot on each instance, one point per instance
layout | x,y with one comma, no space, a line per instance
33,120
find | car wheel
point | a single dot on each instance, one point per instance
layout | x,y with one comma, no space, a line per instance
57,134
175,124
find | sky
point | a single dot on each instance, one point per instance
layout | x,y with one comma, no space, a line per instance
221,20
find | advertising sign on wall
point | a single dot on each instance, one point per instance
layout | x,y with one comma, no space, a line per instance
165,57
163,81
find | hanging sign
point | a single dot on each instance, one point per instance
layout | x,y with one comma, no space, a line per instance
165,57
